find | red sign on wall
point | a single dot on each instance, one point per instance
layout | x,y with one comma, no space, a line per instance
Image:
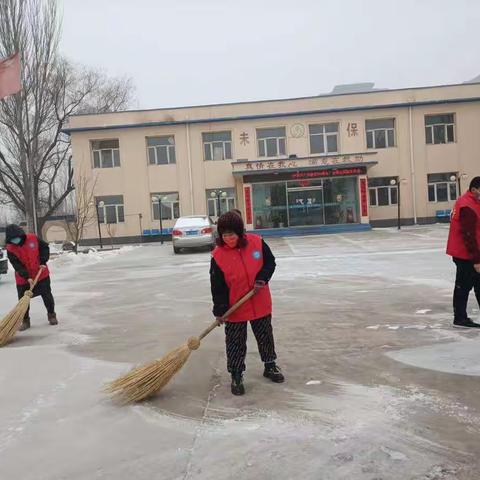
336,172
363,197
248,205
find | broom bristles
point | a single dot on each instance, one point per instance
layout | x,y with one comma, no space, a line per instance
144,381
13,320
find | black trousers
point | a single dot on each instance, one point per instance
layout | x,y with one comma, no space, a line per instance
43,289
466,279
236,342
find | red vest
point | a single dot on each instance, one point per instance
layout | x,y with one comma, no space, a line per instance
29,255
456,246
240,267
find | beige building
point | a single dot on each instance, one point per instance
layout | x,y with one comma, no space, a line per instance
330,162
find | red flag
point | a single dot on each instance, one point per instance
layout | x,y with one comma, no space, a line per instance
10,76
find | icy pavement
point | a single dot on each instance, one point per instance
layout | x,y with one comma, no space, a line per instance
379,386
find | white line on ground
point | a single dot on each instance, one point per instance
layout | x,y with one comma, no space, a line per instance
356,244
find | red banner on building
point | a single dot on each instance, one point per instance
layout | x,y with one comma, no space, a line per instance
363,197
248,205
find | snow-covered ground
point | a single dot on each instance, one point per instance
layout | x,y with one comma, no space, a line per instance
379,386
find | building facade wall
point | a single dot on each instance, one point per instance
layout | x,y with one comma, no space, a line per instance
410,160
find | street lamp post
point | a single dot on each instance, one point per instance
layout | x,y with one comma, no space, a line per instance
158,200
97,206
397,182
219,194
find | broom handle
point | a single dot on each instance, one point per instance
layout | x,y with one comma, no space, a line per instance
35,280
235,307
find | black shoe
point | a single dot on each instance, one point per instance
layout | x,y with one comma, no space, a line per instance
25,325
273,373
237,384
467,323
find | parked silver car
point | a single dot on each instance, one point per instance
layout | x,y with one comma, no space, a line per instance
192,232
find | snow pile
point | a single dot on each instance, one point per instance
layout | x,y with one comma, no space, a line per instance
93,256
55,248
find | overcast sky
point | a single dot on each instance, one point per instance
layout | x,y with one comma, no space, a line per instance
187,52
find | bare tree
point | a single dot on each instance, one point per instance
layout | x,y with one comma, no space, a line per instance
111,231
35,158
84,210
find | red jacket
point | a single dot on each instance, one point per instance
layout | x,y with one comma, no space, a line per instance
456,246
240,267
29,255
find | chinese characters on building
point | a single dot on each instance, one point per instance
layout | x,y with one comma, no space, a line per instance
352,129
244,138
310,162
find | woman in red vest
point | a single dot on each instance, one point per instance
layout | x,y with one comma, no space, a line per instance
242,262
28,254
464,246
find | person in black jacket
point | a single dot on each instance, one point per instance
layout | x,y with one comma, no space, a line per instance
29,255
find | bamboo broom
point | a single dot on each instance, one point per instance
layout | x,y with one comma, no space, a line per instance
144,381
13,320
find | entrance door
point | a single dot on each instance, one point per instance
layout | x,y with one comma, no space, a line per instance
305,206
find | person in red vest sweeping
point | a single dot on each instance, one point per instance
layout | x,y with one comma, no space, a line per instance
242,262
464,247
28,254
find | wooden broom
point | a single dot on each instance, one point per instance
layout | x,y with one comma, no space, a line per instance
144,381
13,320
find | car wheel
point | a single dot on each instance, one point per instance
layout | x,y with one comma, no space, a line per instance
176,250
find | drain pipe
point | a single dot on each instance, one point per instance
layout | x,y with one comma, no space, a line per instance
189,157
412,167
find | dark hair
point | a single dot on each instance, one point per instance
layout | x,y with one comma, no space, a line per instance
237,211
231,222
475,183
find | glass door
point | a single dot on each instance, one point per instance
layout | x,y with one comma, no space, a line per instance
306,206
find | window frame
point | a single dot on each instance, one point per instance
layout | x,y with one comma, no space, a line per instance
448,183
277,142
169,204
375,189
229,200
325,136
169,149
431,129
104,213
212,150
116,163
372,131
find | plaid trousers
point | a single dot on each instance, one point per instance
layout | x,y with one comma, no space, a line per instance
236,342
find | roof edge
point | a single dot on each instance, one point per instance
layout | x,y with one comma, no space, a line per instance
69,131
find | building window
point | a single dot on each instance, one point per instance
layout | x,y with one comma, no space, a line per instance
442,187
382,192
324,138
170,206
217,145
110,209
439,128
271,142
106,153
227,202
161,150
380,133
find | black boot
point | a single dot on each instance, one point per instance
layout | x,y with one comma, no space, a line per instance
273,373
237,384
52,319
25,325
